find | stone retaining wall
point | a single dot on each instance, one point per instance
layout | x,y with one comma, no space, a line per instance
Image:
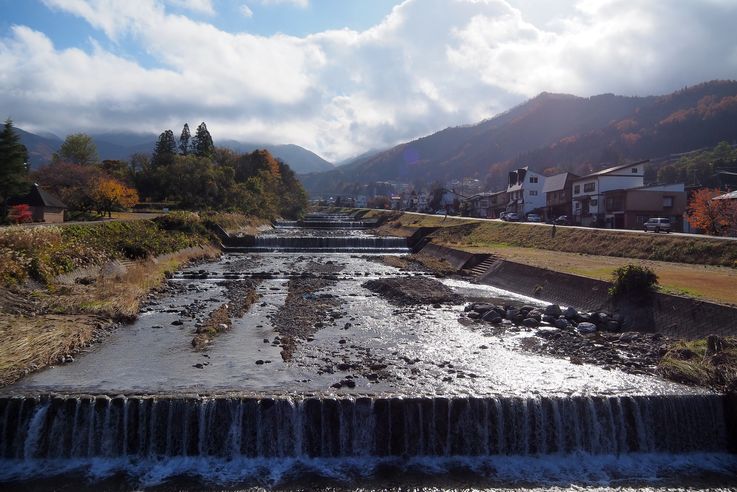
671,315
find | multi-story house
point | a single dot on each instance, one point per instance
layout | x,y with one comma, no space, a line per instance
631,208
588,208
558,191
525,191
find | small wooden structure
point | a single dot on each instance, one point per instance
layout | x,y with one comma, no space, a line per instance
44,206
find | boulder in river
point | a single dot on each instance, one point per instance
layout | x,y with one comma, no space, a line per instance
586,327
553,310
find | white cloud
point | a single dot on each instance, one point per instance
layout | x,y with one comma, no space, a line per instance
429,64
197,6
298,3
246,11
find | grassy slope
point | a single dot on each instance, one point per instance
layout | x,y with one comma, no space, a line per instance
700,267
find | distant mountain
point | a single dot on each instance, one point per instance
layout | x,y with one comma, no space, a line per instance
553,131
299,159
40,148
121,145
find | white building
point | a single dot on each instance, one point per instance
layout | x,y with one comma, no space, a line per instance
525,191
588,207
361,201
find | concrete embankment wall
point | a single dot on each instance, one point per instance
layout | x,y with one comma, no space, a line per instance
671,315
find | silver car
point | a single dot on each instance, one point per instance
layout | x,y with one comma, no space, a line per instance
657,224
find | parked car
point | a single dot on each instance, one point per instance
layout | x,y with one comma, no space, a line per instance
534,218
503,216
562,220
441,212
657,224
511,217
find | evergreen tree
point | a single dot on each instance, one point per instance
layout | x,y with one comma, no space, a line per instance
184,140
202,145
13,170
165,150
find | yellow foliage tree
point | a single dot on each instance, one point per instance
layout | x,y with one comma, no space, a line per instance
110,194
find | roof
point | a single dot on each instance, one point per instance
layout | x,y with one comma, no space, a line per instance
612,169
38,197
732,195
557,182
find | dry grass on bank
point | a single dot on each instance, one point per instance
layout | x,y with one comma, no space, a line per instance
119,297
692,362
30,343
66,316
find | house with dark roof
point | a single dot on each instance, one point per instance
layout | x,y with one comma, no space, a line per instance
558,190
44,206
588,191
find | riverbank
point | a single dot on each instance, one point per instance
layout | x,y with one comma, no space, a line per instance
701,267
62,288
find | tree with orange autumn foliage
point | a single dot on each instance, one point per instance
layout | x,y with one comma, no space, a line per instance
714,217
110,194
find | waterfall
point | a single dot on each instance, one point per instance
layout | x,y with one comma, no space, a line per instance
371,244
229,427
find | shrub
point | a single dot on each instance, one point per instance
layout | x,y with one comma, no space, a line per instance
633,280
188,222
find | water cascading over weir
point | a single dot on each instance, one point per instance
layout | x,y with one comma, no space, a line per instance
231,427
320,233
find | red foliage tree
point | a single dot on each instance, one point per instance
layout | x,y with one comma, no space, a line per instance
20,214
714,217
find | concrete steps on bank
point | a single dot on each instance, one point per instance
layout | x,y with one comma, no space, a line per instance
483,267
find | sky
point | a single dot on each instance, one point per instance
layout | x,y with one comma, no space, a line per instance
340,77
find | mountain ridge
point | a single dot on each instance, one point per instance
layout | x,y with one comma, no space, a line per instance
552,130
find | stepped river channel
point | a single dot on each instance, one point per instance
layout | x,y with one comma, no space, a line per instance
323,378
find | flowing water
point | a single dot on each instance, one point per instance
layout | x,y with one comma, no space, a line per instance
431,402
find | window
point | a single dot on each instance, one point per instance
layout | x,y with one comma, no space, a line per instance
589,187
533,179
667,202
634,170
577,189
578,204
533,192
594,202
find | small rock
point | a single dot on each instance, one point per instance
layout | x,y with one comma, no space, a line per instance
553,310
562,323
530,322
157,327
585,327
177,322
259,362
570,313
492,316
198,366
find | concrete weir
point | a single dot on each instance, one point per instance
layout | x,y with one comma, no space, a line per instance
371,392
